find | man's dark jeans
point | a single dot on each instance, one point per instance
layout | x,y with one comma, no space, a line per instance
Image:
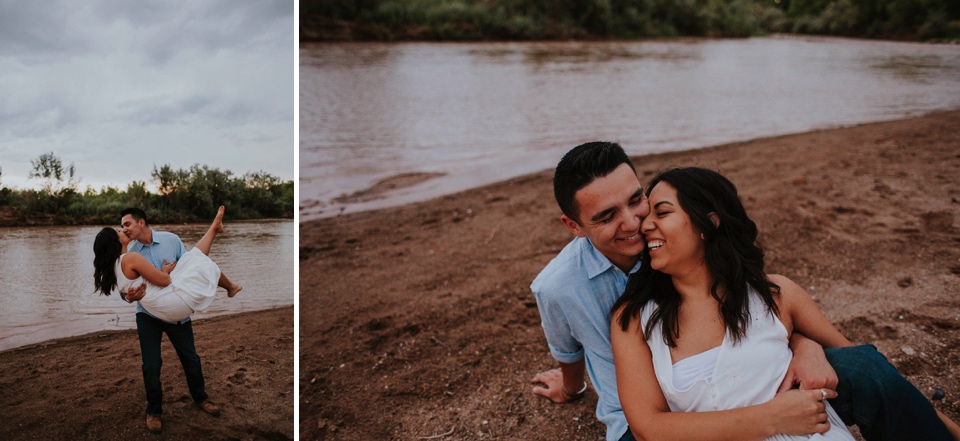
873,395
151,330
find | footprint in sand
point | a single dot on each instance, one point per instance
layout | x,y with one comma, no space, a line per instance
241,378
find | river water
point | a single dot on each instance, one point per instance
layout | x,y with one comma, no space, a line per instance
46,278
478,113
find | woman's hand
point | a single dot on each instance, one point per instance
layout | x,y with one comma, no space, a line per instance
802,412
168,267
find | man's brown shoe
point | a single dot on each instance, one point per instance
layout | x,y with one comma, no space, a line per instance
210,408
153,423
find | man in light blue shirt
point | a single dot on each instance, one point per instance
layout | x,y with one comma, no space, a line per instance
603,204
160,247
574,294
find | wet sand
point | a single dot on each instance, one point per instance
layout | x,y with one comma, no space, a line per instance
417,322
91,387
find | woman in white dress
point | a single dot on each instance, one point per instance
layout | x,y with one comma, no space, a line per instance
701,327
173,292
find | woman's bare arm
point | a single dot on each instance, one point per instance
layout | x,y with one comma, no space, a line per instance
145,269
799,313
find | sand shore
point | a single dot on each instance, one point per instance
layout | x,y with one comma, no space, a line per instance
91,386
417,322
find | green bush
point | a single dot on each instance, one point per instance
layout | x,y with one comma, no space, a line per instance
840,18
935,26
953,30
182,195
552,19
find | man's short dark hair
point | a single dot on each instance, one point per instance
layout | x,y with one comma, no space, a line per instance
580,166
136,213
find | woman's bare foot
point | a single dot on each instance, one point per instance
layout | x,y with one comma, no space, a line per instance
234,289
218,221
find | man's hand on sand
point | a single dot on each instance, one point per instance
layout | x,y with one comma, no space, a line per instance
553,379
135,294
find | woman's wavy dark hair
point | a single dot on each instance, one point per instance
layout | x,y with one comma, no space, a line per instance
106,251
732,256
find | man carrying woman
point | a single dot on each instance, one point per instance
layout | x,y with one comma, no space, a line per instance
160,249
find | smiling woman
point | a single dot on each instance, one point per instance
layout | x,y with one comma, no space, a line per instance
703,328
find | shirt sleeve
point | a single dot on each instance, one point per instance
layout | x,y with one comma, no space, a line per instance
180,248
564,347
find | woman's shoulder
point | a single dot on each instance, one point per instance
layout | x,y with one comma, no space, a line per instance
131,258
787,287
777,278
790,292
639,320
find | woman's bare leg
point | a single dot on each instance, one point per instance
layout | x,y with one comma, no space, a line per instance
204,246
216,227
225,283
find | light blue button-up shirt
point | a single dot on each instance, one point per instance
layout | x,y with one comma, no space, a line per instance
574,294
165,246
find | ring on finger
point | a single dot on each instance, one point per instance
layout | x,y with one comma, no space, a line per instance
824,393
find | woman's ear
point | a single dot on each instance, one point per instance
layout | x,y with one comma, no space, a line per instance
714,218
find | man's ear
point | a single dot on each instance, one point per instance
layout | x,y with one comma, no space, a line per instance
714,218
573,226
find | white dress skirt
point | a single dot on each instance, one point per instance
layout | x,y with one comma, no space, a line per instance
193,284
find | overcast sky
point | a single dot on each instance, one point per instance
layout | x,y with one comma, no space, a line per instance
117,87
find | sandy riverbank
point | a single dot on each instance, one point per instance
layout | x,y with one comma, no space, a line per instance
91,387
418,321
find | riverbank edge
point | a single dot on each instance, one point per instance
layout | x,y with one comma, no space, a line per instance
82,338
634,157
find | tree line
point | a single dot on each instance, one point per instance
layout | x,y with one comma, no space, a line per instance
387,20
179,195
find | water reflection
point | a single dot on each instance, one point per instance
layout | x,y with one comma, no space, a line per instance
921,69
353,56
565,53
46,278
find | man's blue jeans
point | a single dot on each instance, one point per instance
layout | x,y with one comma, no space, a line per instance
882,403
151,330
873,395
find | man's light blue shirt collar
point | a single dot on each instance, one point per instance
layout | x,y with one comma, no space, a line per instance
153,240
596,263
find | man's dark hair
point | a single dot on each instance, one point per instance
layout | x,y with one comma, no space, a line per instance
579,167
136,213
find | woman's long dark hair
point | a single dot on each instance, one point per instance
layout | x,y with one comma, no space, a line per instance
106,251
732,256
